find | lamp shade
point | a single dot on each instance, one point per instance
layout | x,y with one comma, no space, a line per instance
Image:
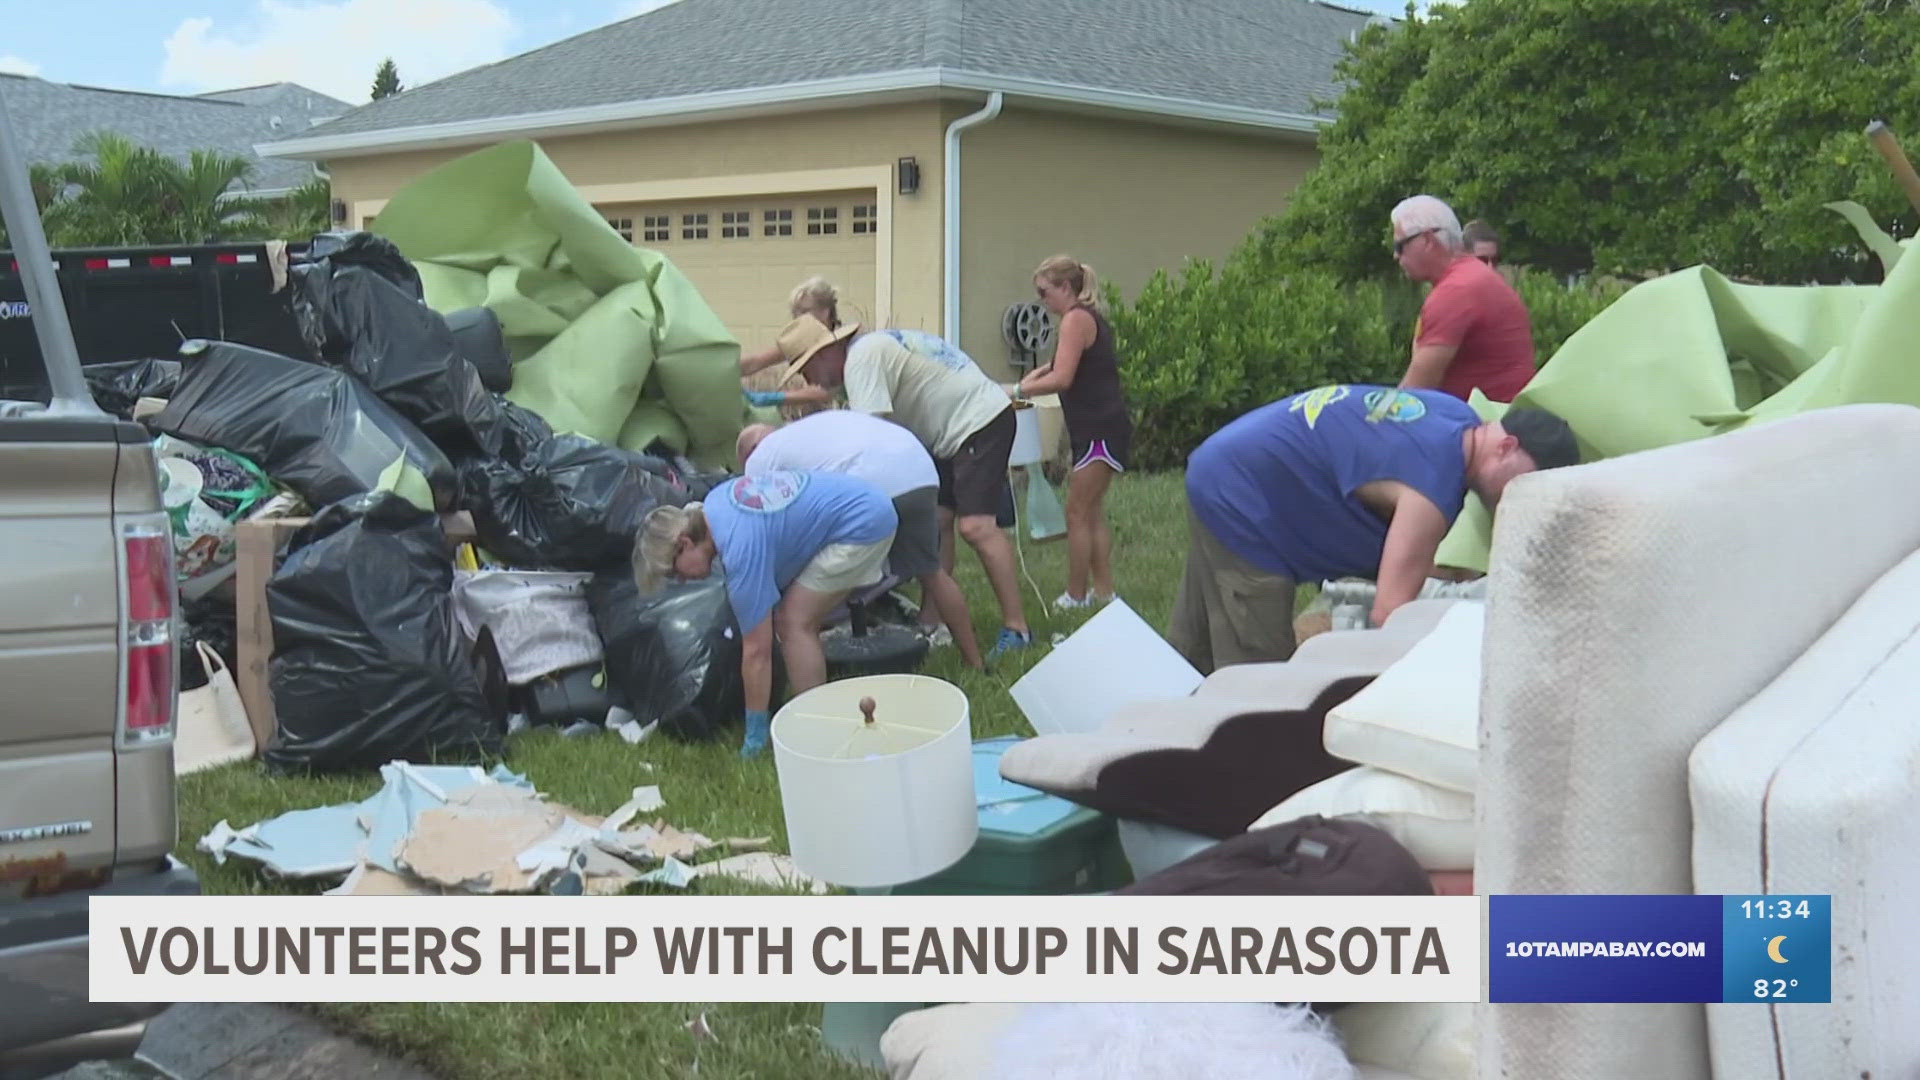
880,802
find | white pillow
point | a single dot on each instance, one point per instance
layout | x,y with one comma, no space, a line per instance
1421,717
1435,824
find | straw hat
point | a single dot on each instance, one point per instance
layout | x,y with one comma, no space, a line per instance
804,337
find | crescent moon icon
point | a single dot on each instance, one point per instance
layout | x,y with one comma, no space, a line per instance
1773,950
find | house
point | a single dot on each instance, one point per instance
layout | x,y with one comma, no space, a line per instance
51,117
924,155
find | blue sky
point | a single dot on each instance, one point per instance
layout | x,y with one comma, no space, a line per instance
189,46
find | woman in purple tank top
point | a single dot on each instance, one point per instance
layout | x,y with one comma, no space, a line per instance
1085,372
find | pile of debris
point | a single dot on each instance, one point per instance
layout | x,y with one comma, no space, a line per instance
445,830
391,638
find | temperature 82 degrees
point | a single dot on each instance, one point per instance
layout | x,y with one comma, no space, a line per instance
1777,949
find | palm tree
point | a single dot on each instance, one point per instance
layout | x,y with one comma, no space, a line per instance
131,195
47,186
298,215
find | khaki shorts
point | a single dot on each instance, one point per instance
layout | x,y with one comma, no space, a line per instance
1226,610
840,568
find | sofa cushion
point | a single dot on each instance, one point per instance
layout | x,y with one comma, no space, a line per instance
1248,761
1248,737
1434,824
1634,605
1369,650
1421,717
1811,787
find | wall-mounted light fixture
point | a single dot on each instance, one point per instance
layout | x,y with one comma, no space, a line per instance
909,172
339,211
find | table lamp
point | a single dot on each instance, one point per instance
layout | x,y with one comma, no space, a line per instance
876,778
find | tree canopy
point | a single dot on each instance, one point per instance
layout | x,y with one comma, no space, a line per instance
124,194
1619,136
386,81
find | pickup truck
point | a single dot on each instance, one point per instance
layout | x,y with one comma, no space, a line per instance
88,671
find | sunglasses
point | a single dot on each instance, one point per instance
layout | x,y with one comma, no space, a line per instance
1400,245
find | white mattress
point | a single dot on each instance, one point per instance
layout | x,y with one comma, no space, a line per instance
1635,604
1814,787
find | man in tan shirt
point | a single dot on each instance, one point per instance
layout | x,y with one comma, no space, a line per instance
964,419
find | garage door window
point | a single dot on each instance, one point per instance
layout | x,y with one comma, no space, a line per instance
866,219
777,222
656,228
736,224
823,220
693,226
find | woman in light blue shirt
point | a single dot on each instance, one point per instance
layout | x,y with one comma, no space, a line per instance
792,546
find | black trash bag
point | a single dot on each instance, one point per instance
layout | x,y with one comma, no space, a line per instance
477,334
213,622
696,480
571,504
118,386
316,430
376,253
522,430
401,349
673,655
369,664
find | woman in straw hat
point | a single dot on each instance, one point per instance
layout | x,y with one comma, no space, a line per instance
793,545
1085,372
817,297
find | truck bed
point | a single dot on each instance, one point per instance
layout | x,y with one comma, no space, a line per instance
132,303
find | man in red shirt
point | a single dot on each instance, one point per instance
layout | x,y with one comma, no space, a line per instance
1473,330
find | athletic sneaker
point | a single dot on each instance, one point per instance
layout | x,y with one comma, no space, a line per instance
937,637
1009,640
1066,602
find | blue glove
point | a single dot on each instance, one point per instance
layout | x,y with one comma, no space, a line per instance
766,397
759,730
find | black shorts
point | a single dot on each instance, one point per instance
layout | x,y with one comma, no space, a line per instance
916,542
972,480
1113,447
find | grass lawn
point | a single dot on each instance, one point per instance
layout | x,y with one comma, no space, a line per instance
708,790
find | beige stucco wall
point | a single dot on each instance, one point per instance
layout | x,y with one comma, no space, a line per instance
1126,198
684,160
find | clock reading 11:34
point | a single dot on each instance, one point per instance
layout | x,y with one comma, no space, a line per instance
1774,909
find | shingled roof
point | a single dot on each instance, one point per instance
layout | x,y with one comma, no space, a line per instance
51,117
1257,61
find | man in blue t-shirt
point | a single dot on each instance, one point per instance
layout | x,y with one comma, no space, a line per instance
1340,481
792,546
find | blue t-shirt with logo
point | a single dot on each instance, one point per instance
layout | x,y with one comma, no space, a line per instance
1278,486
769,526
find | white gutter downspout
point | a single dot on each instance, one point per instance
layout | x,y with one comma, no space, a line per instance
950,310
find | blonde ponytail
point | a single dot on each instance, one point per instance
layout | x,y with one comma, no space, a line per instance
1074,275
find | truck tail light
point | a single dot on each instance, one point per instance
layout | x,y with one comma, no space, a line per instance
147,715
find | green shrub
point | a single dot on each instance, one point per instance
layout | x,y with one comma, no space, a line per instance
1200,348
1557,310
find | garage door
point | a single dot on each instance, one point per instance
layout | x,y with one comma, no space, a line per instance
746,255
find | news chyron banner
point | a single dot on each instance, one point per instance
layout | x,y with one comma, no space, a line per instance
1755,949
785,948
1635,948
